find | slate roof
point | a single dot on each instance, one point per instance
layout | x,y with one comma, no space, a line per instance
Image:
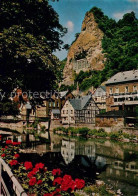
103,87
100,91
55,111
79,103
123,77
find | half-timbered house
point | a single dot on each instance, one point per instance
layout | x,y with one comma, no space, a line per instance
81,110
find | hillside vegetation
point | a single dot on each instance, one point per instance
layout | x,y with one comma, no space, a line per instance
120,45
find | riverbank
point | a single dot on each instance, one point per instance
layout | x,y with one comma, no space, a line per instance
97,133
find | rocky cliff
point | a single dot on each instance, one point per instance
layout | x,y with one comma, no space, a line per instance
88,46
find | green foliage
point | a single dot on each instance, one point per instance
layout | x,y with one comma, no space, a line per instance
119,42
29,32
83,131
8,107
67,87
120,45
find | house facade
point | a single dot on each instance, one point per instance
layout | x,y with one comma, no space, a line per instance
68,113
121,101
81,110
48,106
99,96
122,91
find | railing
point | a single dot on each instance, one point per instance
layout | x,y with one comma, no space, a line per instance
8,183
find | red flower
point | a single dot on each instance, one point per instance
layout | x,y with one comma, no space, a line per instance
67,183
28,165
56,172
3,149
79,183
32,181
3,155
6,147
16,143
16,156
31,174
8,142
35,170
48,194
57,181
39,182
39,166
56,192
13,162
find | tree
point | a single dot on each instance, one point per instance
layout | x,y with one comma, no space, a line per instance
29,32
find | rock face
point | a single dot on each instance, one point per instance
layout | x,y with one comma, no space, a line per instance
87,47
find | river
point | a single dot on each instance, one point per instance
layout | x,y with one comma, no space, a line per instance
113,162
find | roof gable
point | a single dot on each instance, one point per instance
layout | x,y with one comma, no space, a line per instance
79,103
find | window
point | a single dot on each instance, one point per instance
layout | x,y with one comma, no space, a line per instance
117,90
71,111
115,119
63,111
49,104
67,112
53,104
72,118
135,88
126,89
66,105
111,90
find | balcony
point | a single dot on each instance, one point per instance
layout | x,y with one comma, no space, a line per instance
127,99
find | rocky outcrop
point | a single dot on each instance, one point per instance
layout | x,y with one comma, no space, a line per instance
87,46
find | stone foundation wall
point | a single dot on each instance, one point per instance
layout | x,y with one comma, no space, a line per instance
56,123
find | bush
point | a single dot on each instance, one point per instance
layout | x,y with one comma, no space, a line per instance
83,131
114,135
92,132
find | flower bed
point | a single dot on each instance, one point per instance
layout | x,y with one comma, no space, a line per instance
36,179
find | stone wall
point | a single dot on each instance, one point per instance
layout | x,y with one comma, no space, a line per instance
109,122
56,123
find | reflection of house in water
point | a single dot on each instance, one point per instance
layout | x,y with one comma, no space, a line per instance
100,162
68,150
88,150
122,171
132,166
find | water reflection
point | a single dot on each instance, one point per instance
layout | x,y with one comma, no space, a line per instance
116,163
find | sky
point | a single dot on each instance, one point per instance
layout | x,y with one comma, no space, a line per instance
72,12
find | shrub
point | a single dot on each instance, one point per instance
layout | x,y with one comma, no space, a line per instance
83,131
114,135
92,132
